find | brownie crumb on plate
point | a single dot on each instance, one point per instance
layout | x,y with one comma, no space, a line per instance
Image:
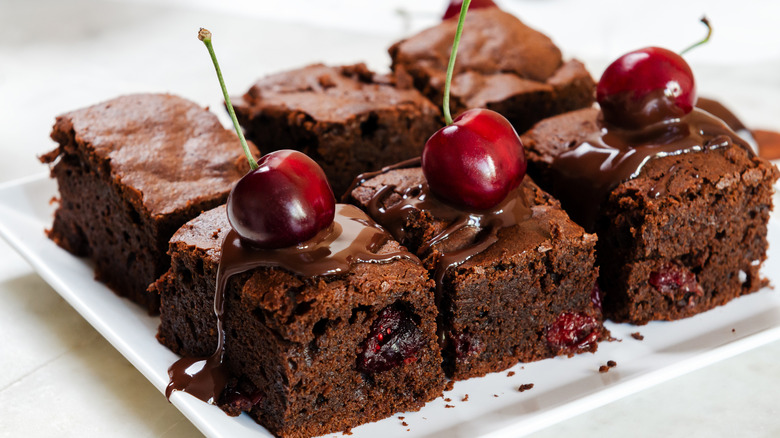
525,387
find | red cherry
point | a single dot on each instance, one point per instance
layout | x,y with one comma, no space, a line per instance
645,87
453,9
474,162
285,201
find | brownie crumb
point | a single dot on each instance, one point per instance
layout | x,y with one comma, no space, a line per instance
465,398
449,406
401,418
404,423
611,363
448,399
495,395
603,369
525,387
449,386
733,330
510,374
638,336
347,432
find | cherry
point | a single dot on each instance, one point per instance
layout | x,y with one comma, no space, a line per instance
393,339
645,87
482,148
648,86
455,5
477,159
285,199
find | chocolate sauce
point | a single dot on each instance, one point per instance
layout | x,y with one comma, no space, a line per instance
352,238
483,224
584,174
718,110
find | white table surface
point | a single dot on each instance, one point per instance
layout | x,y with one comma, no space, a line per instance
59,377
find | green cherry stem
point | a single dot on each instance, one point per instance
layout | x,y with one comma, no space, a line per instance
205,36
707,38
451,66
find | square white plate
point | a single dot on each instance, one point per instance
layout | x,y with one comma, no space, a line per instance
563,387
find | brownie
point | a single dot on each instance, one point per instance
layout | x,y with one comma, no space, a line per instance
525,294
348,119
299,343
680,232
502,65
131,171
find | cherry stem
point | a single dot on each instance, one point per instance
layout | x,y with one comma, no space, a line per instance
451,66
707,38
205,36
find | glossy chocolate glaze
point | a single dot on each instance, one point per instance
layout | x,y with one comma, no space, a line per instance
584,174
511,211
718,110
352,238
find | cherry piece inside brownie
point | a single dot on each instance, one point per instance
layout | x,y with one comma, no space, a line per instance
131,171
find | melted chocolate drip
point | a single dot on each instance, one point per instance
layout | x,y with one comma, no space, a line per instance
484,224
352,238
718,110
584,174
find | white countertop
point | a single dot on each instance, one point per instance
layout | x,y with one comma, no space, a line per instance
59,377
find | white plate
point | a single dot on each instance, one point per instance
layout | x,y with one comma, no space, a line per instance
563,387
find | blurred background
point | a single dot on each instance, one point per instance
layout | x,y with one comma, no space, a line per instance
59,55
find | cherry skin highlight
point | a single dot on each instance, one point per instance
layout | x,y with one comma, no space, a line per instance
646,86
476,161
453,9
285,201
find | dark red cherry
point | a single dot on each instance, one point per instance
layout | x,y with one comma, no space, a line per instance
476,161
285,201
394,339
453,9
645,87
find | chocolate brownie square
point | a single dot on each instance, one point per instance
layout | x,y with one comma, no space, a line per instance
348,119
131,171
319,353
681,230
502,65
521,291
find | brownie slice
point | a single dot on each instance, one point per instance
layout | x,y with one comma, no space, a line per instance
348,119
502,65
299,343
528,296
131,171
685,234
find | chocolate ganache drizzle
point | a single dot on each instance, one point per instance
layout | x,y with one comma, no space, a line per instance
352,238
584,174
484,224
